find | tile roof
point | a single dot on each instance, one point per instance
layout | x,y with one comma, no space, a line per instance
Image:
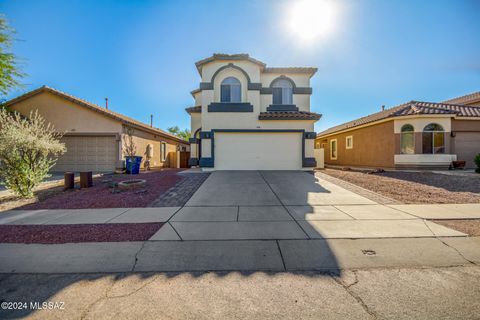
224,56
94,107
409,109
245,56
193,109
466,99
289,115
307,70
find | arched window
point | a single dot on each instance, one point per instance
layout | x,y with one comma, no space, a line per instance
230,90
433,139
407,139
282,91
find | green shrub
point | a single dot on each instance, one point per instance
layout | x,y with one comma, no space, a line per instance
477,162
29,148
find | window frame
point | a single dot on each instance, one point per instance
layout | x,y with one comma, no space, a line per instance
331,149
346,142
432,134
281,91
163,151
224,86
402,138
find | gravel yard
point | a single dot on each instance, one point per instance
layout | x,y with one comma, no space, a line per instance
100,195
74,233
416,187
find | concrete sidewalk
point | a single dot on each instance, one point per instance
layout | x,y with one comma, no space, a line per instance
260,222
249,255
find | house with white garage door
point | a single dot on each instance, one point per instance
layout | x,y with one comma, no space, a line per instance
248,116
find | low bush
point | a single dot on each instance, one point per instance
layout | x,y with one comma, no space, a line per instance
477,162
29,148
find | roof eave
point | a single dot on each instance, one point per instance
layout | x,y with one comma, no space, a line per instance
94,108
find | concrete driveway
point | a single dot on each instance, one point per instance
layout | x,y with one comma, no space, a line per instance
267,188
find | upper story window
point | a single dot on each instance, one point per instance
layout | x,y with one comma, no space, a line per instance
407,139
433,139
230,90
282,91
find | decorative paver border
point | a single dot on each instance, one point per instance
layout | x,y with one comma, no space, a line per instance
181,192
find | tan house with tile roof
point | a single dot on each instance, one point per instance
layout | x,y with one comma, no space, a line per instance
95,136
412,135
248,116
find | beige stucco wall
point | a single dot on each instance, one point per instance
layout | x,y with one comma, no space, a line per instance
300,79
260,102
195,122
419,122
142,139
373,146
67,116
252,69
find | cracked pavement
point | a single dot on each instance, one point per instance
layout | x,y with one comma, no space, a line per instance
383,293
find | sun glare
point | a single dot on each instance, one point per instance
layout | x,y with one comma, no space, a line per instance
311,19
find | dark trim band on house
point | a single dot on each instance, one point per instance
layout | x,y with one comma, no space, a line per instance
282,107
210,162
310,135
289,115
206,162
193,162
309,163
296,90
230,107
206,134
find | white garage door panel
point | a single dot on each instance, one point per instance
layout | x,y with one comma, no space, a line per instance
88,153
467,146
258,151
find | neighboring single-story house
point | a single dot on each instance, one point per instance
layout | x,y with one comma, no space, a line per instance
412,135
95,137
248,116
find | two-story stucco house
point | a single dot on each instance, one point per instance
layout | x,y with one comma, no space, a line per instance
248,116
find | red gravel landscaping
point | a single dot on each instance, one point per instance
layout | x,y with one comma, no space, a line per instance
101,196
74,233
416,187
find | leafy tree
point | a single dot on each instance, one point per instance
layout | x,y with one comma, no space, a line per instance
29,148
9,69
182,134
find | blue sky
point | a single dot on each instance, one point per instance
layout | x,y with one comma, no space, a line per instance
141,54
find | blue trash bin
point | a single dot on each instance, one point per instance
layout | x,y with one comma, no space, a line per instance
132,165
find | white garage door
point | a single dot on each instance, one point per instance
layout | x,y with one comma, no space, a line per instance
258,151
467,146
88,153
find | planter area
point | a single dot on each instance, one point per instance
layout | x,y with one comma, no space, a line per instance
74,233
107,193
415,187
